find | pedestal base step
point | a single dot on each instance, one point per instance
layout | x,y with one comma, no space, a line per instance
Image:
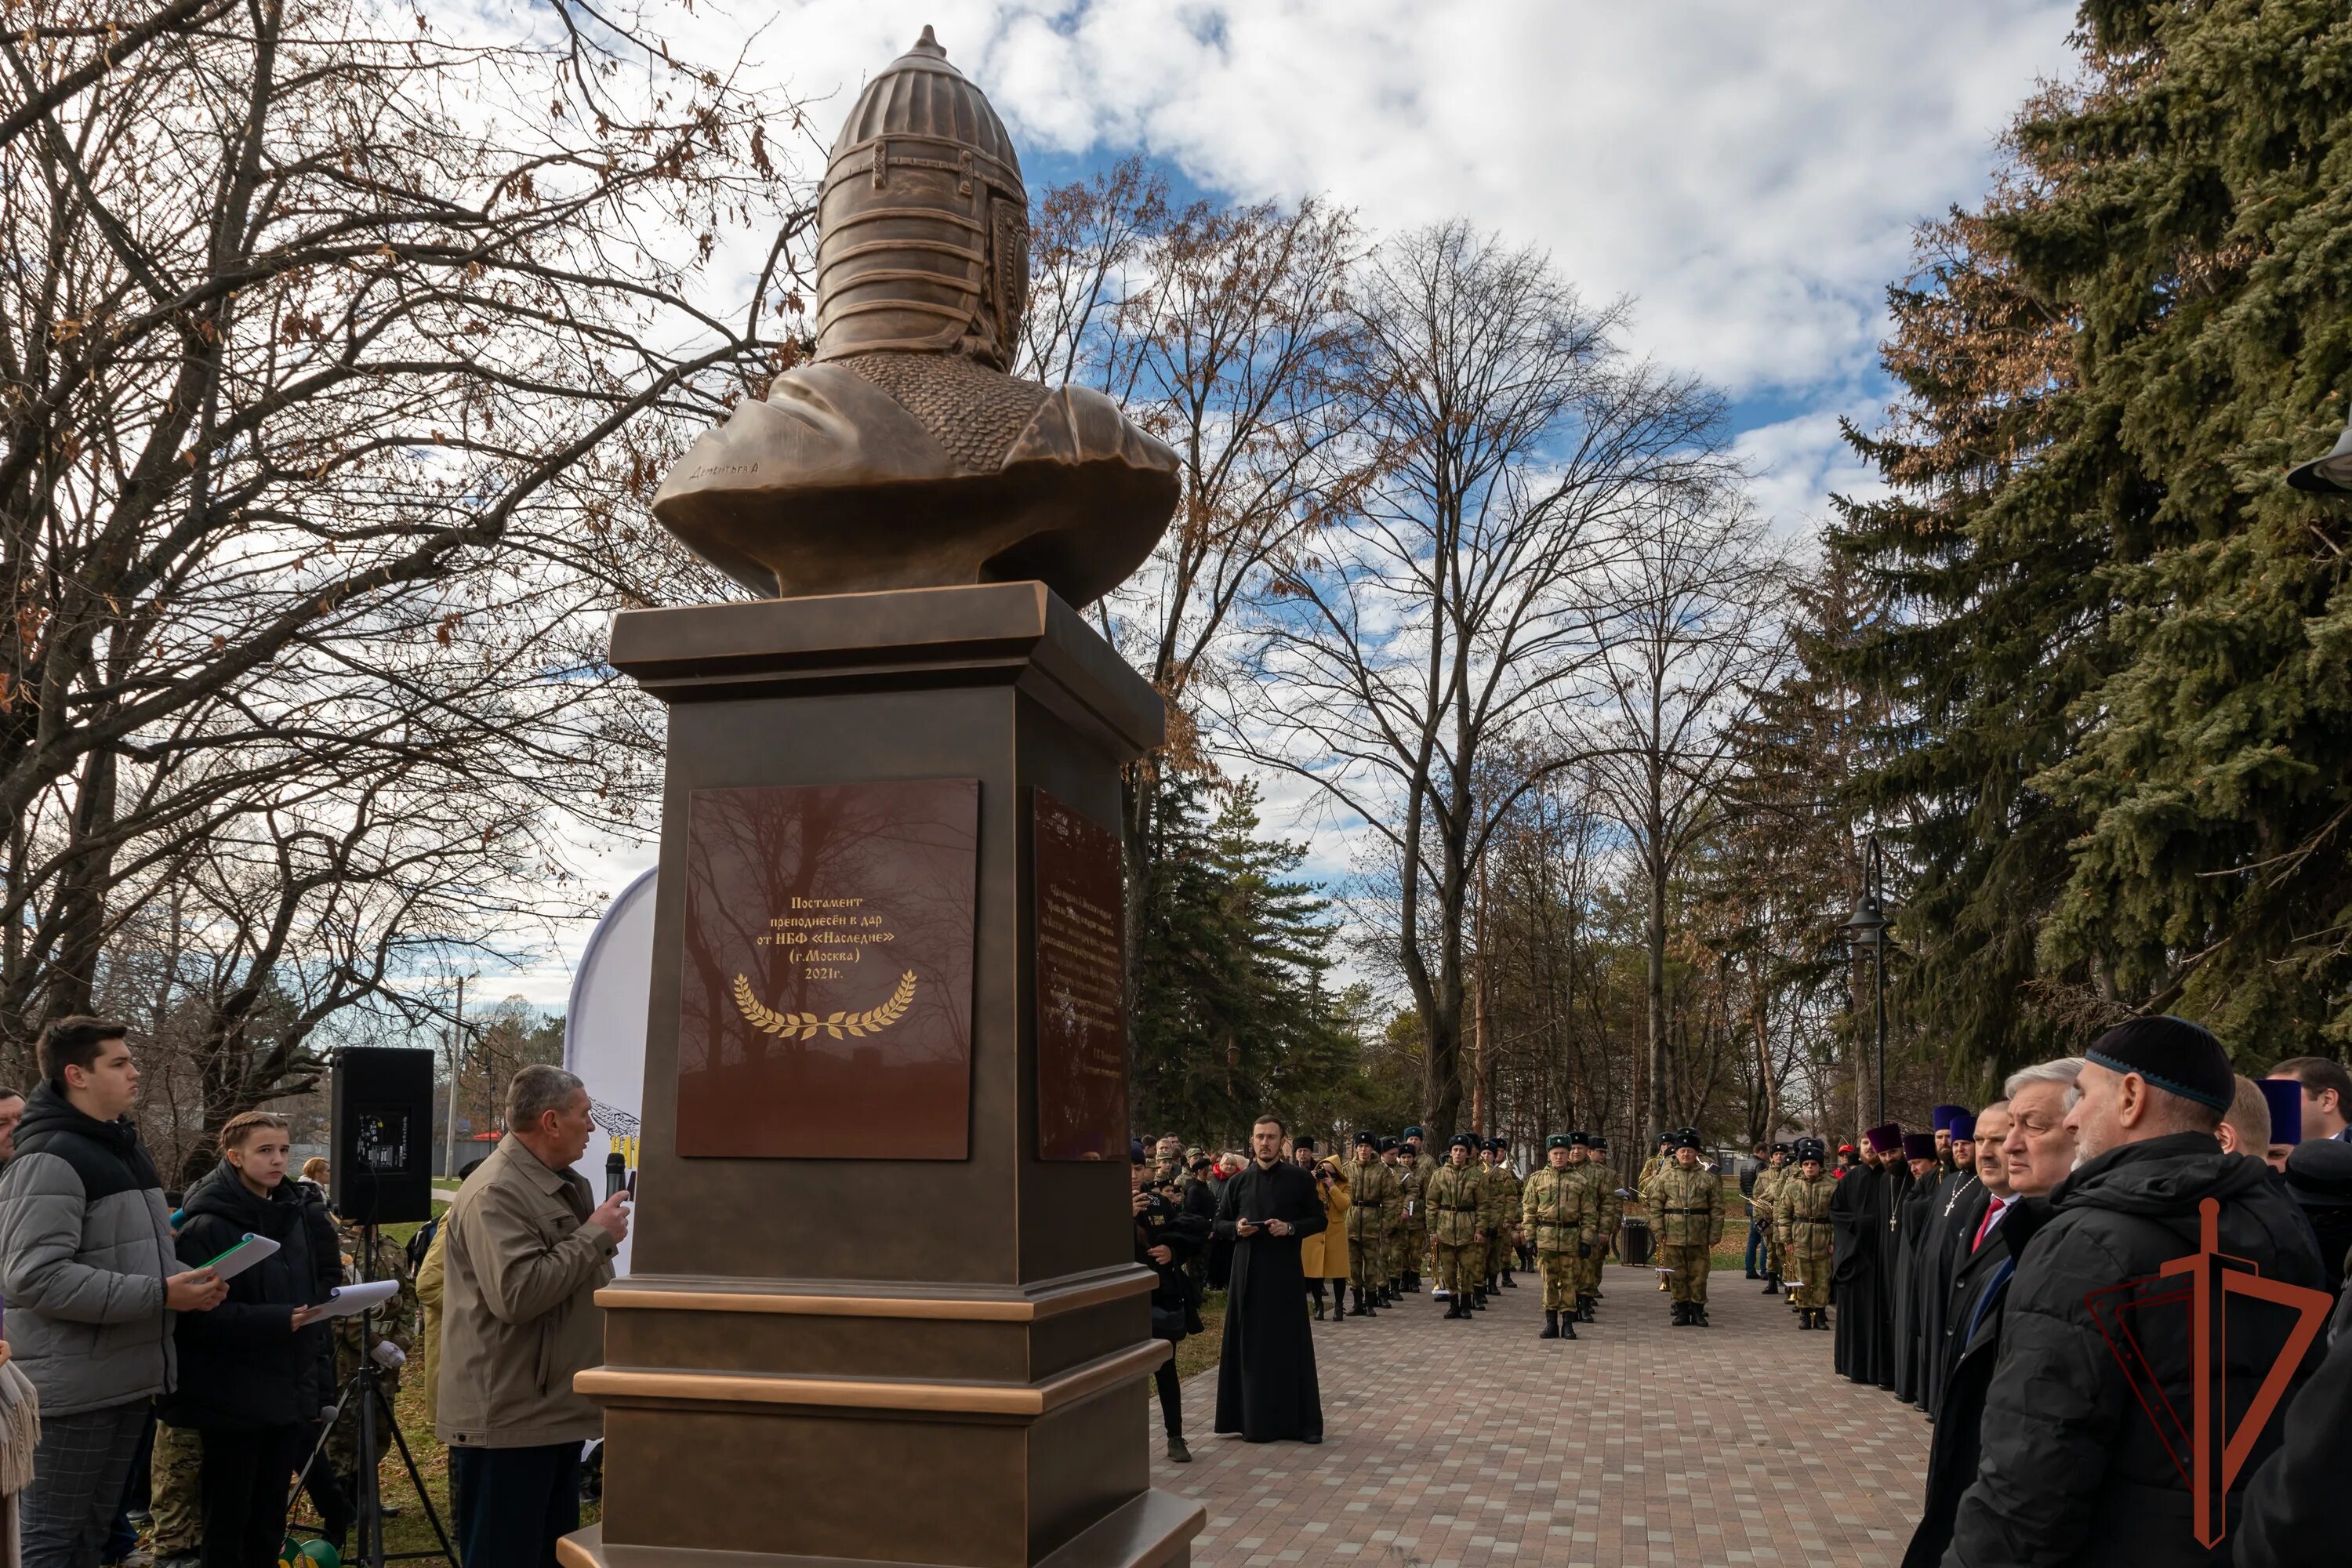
1153,1530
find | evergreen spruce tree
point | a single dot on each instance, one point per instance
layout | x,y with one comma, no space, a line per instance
2125,756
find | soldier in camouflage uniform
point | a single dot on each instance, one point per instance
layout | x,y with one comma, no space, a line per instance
1561,1214
1801,1217
1372,1193
1502,1237
1416,1230
1392,1228
1687,1211
1456,1195
1612,1214
1767,1186
176,1514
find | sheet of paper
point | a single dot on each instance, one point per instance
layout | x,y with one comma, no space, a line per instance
351,1300
253,1249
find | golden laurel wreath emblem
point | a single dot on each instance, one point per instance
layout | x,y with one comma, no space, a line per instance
805,1025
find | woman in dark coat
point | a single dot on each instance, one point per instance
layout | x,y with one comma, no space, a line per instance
254,1371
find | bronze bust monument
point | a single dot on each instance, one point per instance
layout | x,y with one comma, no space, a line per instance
903,455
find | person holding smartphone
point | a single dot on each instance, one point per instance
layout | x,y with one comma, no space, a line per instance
254,1372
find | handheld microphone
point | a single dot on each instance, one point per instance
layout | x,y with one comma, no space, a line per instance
616,1172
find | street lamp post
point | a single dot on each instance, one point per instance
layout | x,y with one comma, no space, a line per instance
1867,926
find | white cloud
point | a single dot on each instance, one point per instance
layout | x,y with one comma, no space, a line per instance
1750,172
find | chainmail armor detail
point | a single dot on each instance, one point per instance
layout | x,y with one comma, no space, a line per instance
972,411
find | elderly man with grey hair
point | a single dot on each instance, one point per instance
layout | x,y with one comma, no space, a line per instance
526,1249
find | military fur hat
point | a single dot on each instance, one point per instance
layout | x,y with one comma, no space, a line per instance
1462,1141
1811,1149
1301,1145
1370,1137
1581,1138
1597,1142
1414,1132
1687,1139
1388,1145
1560,1141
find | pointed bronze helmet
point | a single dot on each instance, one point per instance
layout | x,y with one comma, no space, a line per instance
903,455
923,222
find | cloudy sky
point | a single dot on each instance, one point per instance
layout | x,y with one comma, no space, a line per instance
1748,174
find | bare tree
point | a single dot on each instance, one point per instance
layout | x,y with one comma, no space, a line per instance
1686,627
339,360
1512,441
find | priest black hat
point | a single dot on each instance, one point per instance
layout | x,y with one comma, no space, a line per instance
1918,1145
2174,1055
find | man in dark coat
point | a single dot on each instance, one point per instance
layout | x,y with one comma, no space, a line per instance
2295,1504
2072,1470
2030,1152
1859,1214
1265,1381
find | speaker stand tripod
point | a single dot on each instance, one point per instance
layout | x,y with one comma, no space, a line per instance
364,1394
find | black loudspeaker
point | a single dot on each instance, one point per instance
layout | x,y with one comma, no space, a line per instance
381,1170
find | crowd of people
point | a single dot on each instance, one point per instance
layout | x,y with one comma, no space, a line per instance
147,1359
2022,1276
2016,1275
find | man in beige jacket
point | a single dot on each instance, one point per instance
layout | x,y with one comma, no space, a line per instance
524,1250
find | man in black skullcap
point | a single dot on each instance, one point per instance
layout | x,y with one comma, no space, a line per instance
2072,1470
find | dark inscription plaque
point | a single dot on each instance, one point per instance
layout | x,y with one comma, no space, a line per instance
825,1005
1081,995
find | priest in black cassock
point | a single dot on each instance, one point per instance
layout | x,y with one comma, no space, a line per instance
1859,1212
1961,1202
1914,1216
1266,1382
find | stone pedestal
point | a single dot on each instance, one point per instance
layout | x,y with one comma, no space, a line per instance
881,1361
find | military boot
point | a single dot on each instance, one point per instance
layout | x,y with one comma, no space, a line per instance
1455,1309
1771,1284
1698,1316
1568,1325
1682,1314
1552,1324
1507,1280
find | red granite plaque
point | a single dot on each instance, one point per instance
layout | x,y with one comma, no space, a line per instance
825,1005
1081,994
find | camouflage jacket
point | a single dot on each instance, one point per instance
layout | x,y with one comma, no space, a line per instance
1409,1183
1685,1206
1502,1189
1454,1199
1372,1200
395,1321
1801,1213
1561,1209
1767,1185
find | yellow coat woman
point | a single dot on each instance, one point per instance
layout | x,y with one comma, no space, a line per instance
1325,1256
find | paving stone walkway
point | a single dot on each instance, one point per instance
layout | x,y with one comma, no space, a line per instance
1452,1444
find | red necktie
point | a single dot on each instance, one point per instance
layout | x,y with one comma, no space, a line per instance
1992,1211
